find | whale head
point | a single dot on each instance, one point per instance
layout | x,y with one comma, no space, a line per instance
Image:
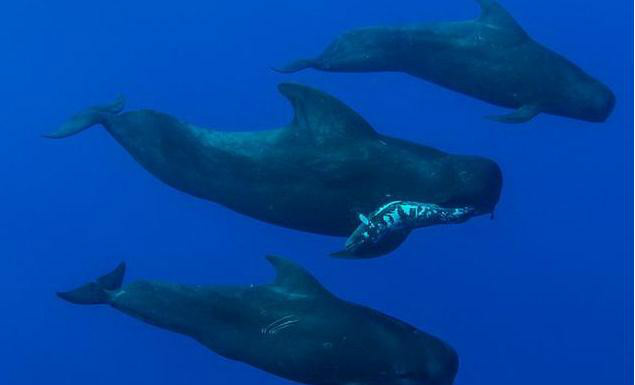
477,183
590,100
432,362
581,97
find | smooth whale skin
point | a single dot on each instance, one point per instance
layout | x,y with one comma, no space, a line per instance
293,328
491,58
315,174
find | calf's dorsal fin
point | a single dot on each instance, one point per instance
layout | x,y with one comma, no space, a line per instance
321,117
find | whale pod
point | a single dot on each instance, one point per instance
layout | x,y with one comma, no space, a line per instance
293,328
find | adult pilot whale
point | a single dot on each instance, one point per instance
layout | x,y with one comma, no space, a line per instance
293,328
491,58
316,174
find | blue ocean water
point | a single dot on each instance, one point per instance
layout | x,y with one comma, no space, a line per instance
539,295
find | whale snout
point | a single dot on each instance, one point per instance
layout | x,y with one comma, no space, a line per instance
589,100
443,371
437,366
601,105
478,185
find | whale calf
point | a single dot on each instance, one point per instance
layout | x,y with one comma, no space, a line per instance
491,58
383,230
315,174
293,328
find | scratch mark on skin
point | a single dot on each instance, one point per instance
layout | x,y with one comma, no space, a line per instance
280,324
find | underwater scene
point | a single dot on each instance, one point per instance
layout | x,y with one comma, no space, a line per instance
317,192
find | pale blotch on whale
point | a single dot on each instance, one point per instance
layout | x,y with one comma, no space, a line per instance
385,229
293,328
490,58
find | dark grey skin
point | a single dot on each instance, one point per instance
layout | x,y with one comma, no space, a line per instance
293,328
491,58
316,174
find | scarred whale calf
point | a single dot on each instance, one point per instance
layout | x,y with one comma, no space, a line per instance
317,174
491,58
396,220
293,328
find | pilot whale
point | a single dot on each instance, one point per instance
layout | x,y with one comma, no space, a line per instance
315,174
395,220
491,58
293,328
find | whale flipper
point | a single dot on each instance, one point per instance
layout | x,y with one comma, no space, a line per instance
493,14
96,293
389,244
87,118
521,115
293,278
322,118
295,66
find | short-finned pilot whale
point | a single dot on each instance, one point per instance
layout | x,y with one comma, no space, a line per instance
293,328
383,230
491,58
316,174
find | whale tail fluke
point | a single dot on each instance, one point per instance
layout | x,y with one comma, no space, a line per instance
295,66
87,118
98,292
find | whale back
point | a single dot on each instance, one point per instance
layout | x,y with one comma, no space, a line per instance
322,119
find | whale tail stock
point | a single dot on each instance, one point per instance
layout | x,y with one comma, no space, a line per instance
87,118
98,292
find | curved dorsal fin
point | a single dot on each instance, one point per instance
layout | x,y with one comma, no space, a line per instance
492,13
293,278
321,117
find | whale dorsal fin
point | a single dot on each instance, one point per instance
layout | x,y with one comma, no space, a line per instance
321,117
492,13
293,278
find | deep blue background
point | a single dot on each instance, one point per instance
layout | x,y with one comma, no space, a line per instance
537,296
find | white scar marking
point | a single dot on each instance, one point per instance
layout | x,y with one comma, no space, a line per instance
282,323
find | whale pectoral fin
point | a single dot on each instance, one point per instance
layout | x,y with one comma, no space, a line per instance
295,66
521,115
